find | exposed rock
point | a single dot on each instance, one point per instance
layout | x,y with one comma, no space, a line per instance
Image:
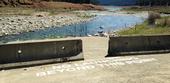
41,14
19,24
25,2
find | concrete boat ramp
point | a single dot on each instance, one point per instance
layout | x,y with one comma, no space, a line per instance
96,68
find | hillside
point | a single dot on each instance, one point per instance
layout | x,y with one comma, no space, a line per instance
16,2
47,4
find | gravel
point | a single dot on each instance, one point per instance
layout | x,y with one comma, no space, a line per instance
18,24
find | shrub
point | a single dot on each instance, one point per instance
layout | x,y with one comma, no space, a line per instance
160,22
168,22
163,22
152,17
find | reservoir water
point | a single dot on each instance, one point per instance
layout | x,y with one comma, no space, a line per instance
110,21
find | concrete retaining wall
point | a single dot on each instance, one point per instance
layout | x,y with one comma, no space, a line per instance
40,52
138,44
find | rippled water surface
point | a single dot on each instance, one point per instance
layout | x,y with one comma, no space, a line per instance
109,22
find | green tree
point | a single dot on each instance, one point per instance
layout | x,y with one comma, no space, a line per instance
153,2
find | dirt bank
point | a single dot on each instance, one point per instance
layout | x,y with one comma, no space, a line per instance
46,4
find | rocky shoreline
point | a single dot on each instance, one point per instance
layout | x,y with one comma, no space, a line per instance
18,24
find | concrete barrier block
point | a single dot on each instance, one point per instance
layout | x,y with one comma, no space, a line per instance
160,42
138,44
32,53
